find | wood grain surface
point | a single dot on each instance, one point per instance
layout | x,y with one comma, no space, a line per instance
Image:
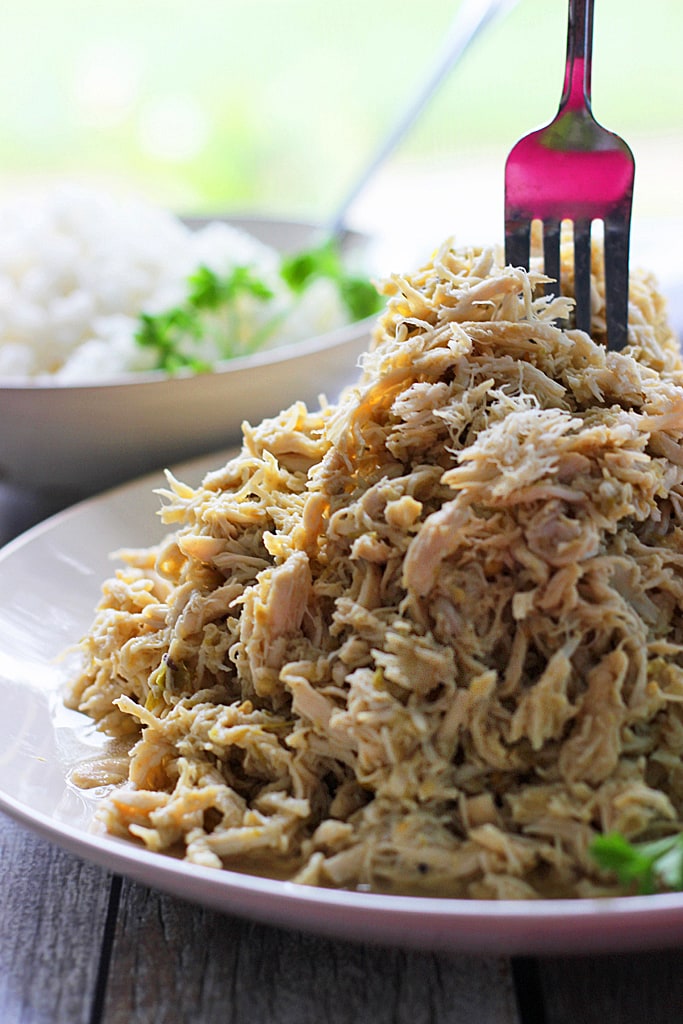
210,967
80,947
53,909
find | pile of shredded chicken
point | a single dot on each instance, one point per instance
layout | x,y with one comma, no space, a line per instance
428,639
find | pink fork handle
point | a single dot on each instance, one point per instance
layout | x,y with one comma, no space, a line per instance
576,93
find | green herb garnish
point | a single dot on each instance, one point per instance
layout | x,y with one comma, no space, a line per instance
357,293
212,307
163,333
208,292
303,267
642,867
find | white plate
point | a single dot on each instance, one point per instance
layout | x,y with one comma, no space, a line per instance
49,583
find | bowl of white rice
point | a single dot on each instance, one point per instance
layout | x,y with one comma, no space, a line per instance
109,368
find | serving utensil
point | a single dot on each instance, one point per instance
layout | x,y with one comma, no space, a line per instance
575,170
472,17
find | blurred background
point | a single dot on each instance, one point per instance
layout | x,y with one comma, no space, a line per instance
275,105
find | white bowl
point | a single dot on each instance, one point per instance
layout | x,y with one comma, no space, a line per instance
73,440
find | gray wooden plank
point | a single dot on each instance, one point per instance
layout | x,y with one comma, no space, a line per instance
176,964
52,914
628,989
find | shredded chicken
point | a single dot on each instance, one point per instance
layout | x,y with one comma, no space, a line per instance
428,639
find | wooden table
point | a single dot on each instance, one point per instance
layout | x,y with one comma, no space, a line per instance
80,946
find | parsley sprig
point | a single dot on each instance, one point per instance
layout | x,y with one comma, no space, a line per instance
213,302
644,868
169,331
357,293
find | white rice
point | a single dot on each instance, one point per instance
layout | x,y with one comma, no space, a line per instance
78,266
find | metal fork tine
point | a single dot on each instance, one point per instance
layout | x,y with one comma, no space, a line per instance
575,170
582,274
518,244
617,227
551,255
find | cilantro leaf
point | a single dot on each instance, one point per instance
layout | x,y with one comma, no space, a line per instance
163,331
209,291
303,267
644,867
360,297
358,294
212,309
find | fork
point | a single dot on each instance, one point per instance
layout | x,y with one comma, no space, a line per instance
574,170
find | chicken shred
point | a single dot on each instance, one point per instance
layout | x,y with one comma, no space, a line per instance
428,639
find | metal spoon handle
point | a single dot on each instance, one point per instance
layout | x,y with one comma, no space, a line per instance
472,17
